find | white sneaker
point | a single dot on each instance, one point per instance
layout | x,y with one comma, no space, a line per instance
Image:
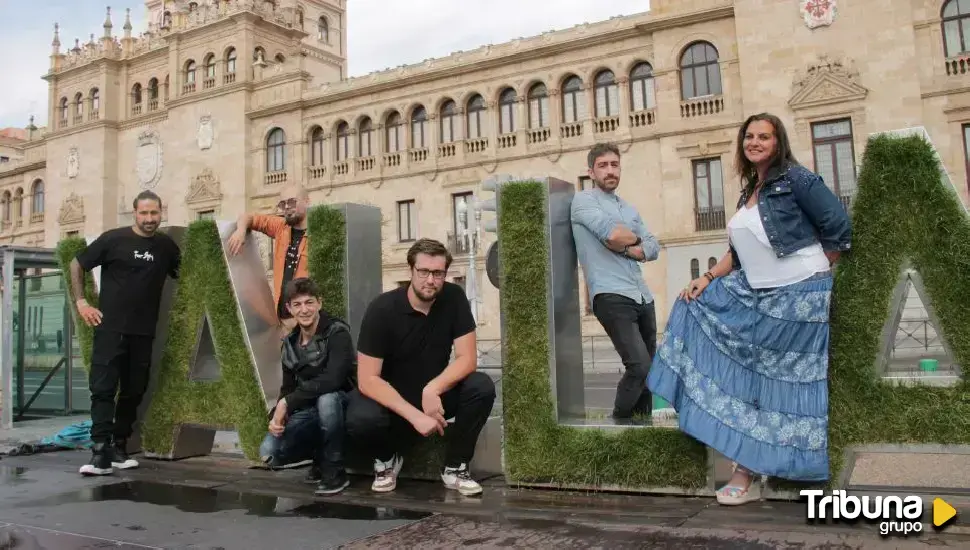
460,480
385,474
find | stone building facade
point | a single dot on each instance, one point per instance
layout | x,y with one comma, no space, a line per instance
219,103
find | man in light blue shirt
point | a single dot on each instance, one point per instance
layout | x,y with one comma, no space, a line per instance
611,243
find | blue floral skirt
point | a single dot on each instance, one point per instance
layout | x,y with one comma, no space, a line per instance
747,372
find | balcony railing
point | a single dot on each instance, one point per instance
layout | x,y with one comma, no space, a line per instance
709,219
460,245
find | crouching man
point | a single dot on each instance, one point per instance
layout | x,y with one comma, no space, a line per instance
319,366
408,385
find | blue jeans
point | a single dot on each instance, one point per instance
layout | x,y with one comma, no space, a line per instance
314,433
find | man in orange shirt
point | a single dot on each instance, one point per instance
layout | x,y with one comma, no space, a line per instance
289,243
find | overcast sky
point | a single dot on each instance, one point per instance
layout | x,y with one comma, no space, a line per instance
382,33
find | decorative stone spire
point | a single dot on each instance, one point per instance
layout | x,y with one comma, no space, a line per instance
31,129
107,24
56,44
127,26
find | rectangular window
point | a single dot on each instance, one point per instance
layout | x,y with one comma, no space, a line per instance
207,215
835,157
708,194
644,94
407,221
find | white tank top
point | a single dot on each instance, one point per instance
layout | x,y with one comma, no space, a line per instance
762,267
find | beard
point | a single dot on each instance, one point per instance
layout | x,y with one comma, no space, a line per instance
293,219
148,227
425,294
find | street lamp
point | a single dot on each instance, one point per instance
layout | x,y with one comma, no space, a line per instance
469,238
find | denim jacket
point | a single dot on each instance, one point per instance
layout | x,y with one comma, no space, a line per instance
797,210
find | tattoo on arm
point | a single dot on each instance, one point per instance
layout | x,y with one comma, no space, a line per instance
77,281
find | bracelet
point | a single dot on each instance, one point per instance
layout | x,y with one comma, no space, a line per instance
709,276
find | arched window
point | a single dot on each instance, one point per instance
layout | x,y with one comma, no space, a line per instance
190,72
449,112
643,94
276,151
153,94
700,74
474,112
506,109
343,141
419,128
37,197
365,134
711,262
63,111
607,94
18,203
316,147
393,124
210,67
538,106
95,101
259,54
280,59
323,30
695,269
299,19
136,94
79,105
956,27
5,203
231,61
166,20
573,101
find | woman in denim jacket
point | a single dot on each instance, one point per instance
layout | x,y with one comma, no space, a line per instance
744,358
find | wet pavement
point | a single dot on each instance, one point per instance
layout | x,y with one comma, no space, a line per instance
214,503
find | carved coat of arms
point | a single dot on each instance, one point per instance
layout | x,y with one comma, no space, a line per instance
73,162
818,13
206,132
148,159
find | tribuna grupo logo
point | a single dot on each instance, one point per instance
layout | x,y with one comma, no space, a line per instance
896,515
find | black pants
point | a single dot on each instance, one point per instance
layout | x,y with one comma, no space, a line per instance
123,359
383,433
632,328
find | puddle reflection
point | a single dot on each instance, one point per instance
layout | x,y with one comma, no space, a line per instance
200,500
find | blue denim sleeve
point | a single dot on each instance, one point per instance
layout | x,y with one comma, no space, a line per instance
826,212
584,211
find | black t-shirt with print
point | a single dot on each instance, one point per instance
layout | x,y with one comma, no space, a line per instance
289,268
133,272
414,347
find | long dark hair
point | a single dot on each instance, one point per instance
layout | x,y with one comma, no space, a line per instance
746,169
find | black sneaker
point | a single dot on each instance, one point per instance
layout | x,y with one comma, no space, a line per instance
313,475
100,464
332,482
119,456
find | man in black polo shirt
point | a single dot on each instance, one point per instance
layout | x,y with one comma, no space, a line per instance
407,388
135,262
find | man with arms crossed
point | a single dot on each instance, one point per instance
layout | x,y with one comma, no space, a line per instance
318,368
611,243
134,264
290,243
407,386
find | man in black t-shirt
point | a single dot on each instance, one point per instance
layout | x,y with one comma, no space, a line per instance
135,262
407,386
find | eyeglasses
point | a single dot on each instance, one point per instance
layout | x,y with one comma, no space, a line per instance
424,273
291,203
